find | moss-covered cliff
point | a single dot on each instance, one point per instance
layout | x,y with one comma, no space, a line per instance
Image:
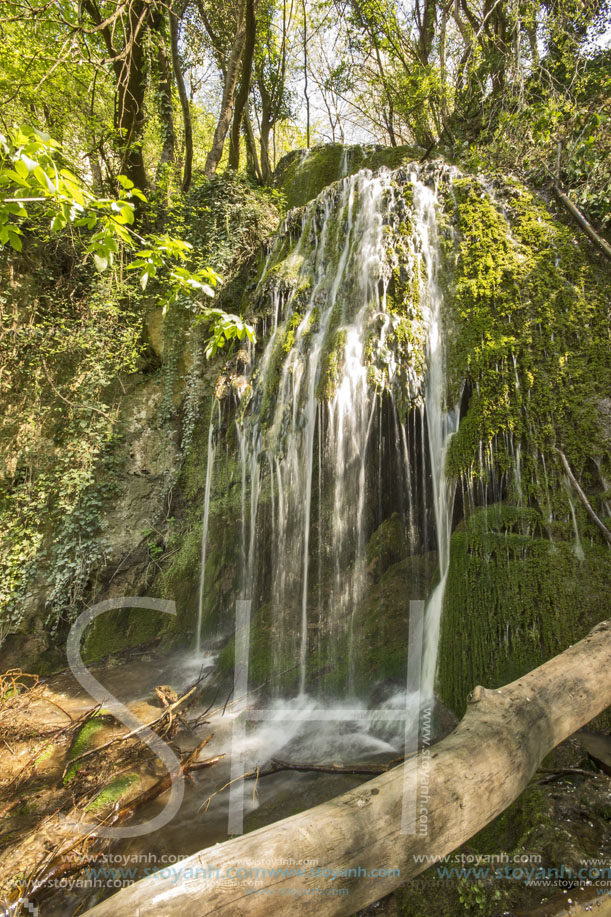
529,336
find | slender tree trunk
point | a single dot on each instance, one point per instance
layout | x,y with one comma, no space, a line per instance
182,95
405,819
227,103
264,132
130,72
166,114
252,159
132,87
305,71
244,89
96,171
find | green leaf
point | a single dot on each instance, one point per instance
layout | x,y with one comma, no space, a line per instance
14,240
43,179
101,262
15,207
58,222
22,168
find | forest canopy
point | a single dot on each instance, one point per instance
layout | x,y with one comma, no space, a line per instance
155,91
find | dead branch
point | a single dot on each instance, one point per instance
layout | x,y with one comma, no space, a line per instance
587,505
277,766
167,713
581,221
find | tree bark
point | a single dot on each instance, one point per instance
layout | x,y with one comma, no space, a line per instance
244,88
254,170
306,93
128,63
264,131
472,776
184,98
227,103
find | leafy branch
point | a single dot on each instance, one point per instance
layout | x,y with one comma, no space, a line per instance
32,173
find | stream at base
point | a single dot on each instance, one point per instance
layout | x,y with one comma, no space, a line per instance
303,730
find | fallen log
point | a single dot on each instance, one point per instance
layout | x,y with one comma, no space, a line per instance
356,840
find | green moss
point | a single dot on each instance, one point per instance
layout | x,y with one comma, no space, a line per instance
303,176
530,327
513,600
387,545
121,629
266,657
84,740
293,324
45,754
332,361
112,793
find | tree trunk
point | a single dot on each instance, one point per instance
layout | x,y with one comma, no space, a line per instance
254,170
458,787
244,90
579,218
166,114
227,103
182,95
306,94
266,126
130,102
129,68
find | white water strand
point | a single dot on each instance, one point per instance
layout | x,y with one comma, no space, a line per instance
441,424
577,546
215,413
346,245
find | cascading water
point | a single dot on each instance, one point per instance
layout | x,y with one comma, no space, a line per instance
441,425
342,420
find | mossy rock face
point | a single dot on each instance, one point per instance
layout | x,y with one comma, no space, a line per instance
382,620
388,545
528,328
303,174
121,629
513,600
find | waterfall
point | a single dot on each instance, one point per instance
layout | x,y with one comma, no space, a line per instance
341,420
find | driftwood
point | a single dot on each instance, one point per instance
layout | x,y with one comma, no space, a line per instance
473,775
579,218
